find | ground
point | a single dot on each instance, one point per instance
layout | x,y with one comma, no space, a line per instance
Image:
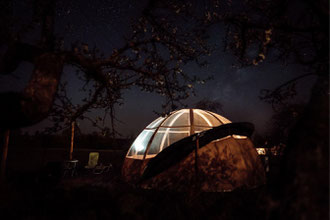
38,195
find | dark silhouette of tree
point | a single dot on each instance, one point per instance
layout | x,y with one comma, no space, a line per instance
283,121
151,59
295,32
210,105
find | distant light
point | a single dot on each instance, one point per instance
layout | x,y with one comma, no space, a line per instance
261,151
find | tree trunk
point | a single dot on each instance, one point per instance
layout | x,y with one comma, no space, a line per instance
72,139
306,164
34,103
4,156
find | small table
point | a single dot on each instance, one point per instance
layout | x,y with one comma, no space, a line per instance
70,167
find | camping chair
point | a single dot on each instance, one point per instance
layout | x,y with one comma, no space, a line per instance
92,160
102,168
94,166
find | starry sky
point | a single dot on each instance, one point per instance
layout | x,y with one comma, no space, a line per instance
104,24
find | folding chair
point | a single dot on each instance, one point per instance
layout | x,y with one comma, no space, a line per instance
93,160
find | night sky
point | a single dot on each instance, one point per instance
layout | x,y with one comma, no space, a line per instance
104,23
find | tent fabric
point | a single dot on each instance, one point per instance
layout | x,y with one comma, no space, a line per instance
222,165
182,148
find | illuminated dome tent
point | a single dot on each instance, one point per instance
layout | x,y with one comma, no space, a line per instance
165,131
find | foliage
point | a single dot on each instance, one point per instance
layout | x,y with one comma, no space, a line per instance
210,105
166,36
283,121
257,30
151,58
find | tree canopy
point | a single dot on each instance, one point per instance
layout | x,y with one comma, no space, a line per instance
151,58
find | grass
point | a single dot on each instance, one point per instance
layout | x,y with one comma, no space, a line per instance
106,196
30,194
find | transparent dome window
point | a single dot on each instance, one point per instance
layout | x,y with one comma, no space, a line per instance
140,144
155,123
179,118
203,118
222,119
165,137
165,131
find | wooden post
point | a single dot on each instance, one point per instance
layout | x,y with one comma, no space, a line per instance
72,138
196,161
192,131
4,156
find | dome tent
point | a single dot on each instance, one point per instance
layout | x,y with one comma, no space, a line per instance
224,164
